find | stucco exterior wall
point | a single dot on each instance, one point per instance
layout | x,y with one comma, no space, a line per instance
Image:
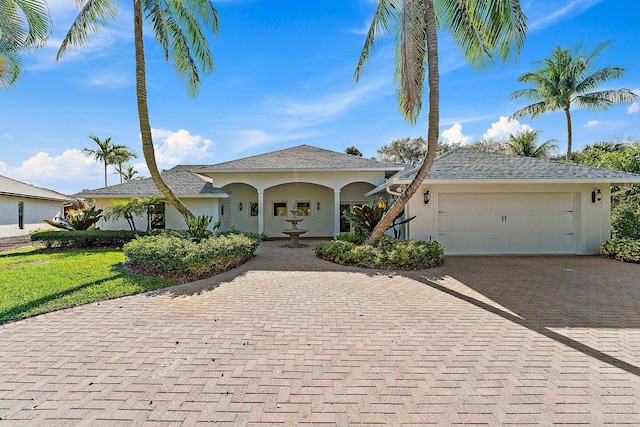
35,211
592,220
173,218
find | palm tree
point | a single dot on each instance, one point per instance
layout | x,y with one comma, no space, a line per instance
566,78
24,24
525,143
103,154
129,174
484,31
178,28
120,156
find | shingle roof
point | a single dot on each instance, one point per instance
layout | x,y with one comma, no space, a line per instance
180,179
11,187
301,157
468,164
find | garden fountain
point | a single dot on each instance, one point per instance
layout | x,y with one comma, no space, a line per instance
294,232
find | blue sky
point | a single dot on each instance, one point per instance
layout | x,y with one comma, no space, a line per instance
284,77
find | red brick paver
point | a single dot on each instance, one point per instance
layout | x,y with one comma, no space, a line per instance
288,339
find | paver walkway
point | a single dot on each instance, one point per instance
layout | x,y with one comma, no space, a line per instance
288,339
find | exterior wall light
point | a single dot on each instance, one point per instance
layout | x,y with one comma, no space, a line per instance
426,197
318,205
596,196
240,205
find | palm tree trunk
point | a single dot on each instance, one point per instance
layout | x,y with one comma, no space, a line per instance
143,114
569,134
433,79
105,173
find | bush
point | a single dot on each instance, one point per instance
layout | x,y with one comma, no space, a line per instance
390,254
183,259
625,221
85,238
622,249
356,238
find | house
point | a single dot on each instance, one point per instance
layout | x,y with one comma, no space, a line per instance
472,202
23,207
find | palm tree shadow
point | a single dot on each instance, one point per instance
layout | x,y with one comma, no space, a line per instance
532,320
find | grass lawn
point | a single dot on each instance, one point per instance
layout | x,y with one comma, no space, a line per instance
33,282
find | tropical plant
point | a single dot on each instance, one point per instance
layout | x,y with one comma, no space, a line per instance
484,30
83,219
568,78
197,226
104,153
178,28
365,218
119,157
24,24
130,208
128,174
525,143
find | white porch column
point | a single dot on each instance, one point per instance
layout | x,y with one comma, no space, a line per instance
261,211
336,212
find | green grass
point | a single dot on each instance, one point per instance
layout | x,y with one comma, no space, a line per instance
33,282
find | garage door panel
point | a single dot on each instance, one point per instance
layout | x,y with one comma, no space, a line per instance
500,223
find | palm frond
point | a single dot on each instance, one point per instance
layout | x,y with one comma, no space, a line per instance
381,23
155,11
533,110
600,76
180,53
195,38
93,15
602,100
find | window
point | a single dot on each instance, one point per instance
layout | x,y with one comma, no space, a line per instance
303,208
221,210
156,214
280,209
253,208
20,215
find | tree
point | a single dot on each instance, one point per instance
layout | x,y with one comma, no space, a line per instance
105,153
405,150
178,28
525,143
353,151
129,209
122,155
568,78
128,174
490,145
484,30
24,25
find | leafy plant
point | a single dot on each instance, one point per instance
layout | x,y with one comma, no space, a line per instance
85,238
365,218
390,254
627,250
79,220
197,226
625,221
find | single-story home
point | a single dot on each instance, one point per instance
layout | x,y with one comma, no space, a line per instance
23,207
472,202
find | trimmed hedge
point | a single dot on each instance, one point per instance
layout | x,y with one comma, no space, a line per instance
390,254
627,250
82,239
184,260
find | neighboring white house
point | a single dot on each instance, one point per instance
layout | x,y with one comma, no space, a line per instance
472,202
23,207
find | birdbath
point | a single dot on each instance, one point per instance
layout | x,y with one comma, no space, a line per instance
294,232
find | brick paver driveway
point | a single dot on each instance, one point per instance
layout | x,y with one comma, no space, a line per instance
290,339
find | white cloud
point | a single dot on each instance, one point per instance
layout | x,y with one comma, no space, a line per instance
593,123
179,147
633,108
504,127
454,134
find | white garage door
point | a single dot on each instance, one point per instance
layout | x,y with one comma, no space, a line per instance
513,223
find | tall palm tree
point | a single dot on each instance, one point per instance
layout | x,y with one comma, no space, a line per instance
525,143
568,77
129,174
103,154
178,27
24,24
120,156
484,31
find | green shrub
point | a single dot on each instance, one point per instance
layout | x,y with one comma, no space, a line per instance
357,238
184,259
622,249
625,221
391,254
85,238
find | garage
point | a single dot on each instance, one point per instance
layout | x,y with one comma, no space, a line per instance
507,223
